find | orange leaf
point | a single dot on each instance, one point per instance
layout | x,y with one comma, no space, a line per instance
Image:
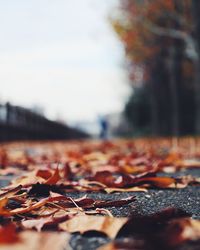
54,178
8,234
161,182
44,173
37,205
3,210
30,208
83,223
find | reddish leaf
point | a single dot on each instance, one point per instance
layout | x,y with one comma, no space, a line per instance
8,234
54,178
181,230
44,173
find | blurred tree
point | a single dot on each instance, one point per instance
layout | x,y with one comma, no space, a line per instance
161,40
196,57
138,110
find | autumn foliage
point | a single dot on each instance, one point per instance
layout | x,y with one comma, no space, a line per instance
161,40
47,177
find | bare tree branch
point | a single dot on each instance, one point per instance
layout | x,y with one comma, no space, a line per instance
191,49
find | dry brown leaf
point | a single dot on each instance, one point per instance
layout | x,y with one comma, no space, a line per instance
3,210
36,223
133,189
54,178
10,192
51,220
161,182
83,223
114,203
28,179
39,241
29,208
181,230
8,235
101,211
101,166
37,205
44,173
134,169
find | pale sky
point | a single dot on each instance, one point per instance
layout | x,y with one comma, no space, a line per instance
61,55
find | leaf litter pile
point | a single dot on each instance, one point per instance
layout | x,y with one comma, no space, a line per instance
51,194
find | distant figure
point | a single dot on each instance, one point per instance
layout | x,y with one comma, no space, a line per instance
103,127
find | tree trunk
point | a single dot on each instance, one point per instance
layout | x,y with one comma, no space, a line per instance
196,13
154,110
173,92
197,96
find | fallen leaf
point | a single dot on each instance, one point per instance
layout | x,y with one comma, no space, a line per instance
43,190
37,205
40,241
114,203
151,224
3,210
10,192
181,230
37,223
83,223
8,235
121,190
54,178
158,181
27,179
44,173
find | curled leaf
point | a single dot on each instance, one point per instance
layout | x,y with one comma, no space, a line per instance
54,178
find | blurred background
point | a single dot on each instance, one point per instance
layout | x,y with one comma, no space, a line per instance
118,68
